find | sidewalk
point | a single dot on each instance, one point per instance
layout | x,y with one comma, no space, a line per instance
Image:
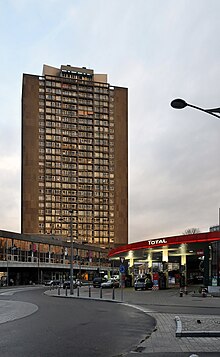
168,297
165,341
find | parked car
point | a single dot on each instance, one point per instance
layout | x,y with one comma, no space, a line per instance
52,283
116,277
110,283
98,281
66,284
3,281
143,284
84,282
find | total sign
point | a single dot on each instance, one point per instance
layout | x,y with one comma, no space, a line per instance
157,241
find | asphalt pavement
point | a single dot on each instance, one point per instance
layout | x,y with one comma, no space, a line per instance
176,334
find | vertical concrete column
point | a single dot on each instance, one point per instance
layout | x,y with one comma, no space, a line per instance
183,254
183,249
131,262
207,265
165,254
165,259
149,259
49,254
131,270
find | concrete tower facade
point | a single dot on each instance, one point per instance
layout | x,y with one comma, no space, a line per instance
75,156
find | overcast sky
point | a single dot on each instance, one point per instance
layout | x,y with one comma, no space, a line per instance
160,50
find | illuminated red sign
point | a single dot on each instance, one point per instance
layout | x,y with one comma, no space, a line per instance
159,242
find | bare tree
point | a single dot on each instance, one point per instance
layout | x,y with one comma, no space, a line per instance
191,231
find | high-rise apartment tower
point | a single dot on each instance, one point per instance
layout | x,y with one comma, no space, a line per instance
75,156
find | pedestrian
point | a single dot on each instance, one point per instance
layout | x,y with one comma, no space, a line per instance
11,281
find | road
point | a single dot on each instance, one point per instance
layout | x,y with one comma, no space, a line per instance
70,327
57,325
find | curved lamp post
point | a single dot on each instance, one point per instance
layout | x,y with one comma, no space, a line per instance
180,104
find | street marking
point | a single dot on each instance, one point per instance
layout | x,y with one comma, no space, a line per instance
139,308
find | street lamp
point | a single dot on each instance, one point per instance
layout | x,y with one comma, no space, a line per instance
180,104
71,252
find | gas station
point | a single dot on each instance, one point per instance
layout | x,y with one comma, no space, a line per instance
195,258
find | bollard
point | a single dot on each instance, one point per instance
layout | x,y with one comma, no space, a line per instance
58,290
77,290
113,293
181,292
100,292
89,291
66,290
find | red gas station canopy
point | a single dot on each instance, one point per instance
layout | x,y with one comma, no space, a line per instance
166,241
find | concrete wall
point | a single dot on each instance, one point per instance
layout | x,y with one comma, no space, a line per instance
30,154
121,165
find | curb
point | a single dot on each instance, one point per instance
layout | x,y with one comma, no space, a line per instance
180,333
83,297
178,326
200,334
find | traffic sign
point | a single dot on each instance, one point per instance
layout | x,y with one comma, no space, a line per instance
122,269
